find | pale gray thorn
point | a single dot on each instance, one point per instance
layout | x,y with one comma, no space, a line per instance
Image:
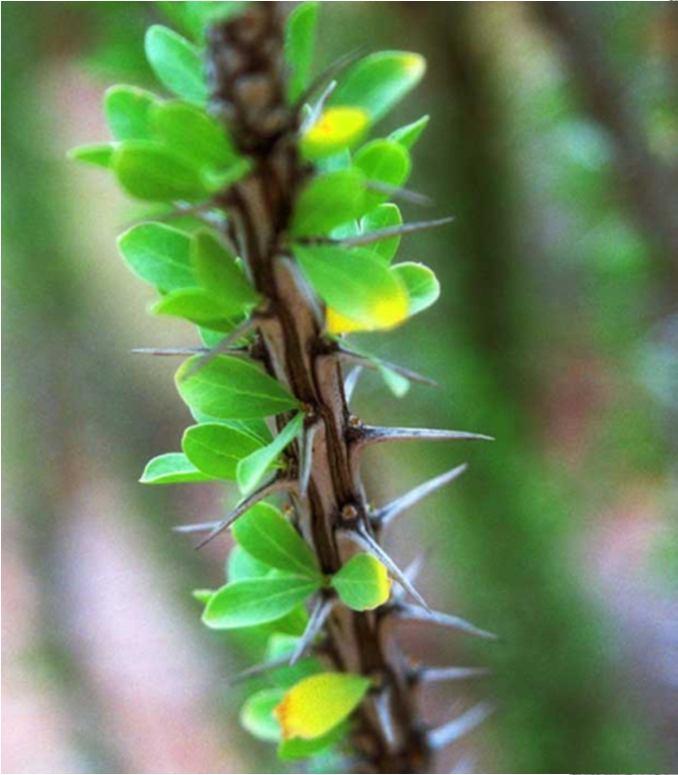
306,456
374,363
395,192
394,231
411,572
198,527
371,545
448,733
224,345
316,621
351,381
255,670
388,513
464,766
169,350
437,674
418,614
380,435
382,706
263,492
317,109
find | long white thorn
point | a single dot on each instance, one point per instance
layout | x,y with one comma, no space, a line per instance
372,362
225,344
367,542
394,231
418,614
351,381
437,674
255,670
306,456
388,513
448,733
169,350
381,435
316,622
398,193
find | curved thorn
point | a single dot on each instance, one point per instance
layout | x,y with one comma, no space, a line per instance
416,613
367,542
306,456
225,344
453,730
351,381
388,513
321,610
255,670
436,674
372,362
263,492
370,434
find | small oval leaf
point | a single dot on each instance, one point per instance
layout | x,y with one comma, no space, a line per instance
216,449
362,583
177,63
422,285
158,254
172,468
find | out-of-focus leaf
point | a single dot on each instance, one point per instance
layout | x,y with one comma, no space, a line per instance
384,216
193,16
300,31
158,254
256,715
297,748
379,81
177,63
327,201
384,161
422,285
127,112
241,565
97,154
335,129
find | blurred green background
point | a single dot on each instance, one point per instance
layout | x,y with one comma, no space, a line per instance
553,142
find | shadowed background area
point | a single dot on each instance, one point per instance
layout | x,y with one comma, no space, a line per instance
552,141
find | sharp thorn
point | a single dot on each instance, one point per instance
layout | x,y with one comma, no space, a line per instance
367,542
437,674
351,381
448,733
306,456
317,109
199,527
380,435
224,345
411,573
255,670
416,613
263,492
393,231
382,706
388,513
372,362
321,610
399,193
329,74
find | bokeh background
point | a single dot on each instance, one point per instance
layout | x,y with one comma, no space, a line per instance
553,142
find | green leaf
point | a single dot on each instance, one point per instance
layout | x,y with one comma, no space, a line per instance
241,565
385,216
300,31
319,703
158,254
379,81
362,583
422,285
172,468
97,154
327,201
297,748
219,274
150,171
197,305
230,388
127,112
266,535
408,135
216,450
256,715
177,63
252,468
202,595
194,16
256,601
188,130
356,285
384,161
